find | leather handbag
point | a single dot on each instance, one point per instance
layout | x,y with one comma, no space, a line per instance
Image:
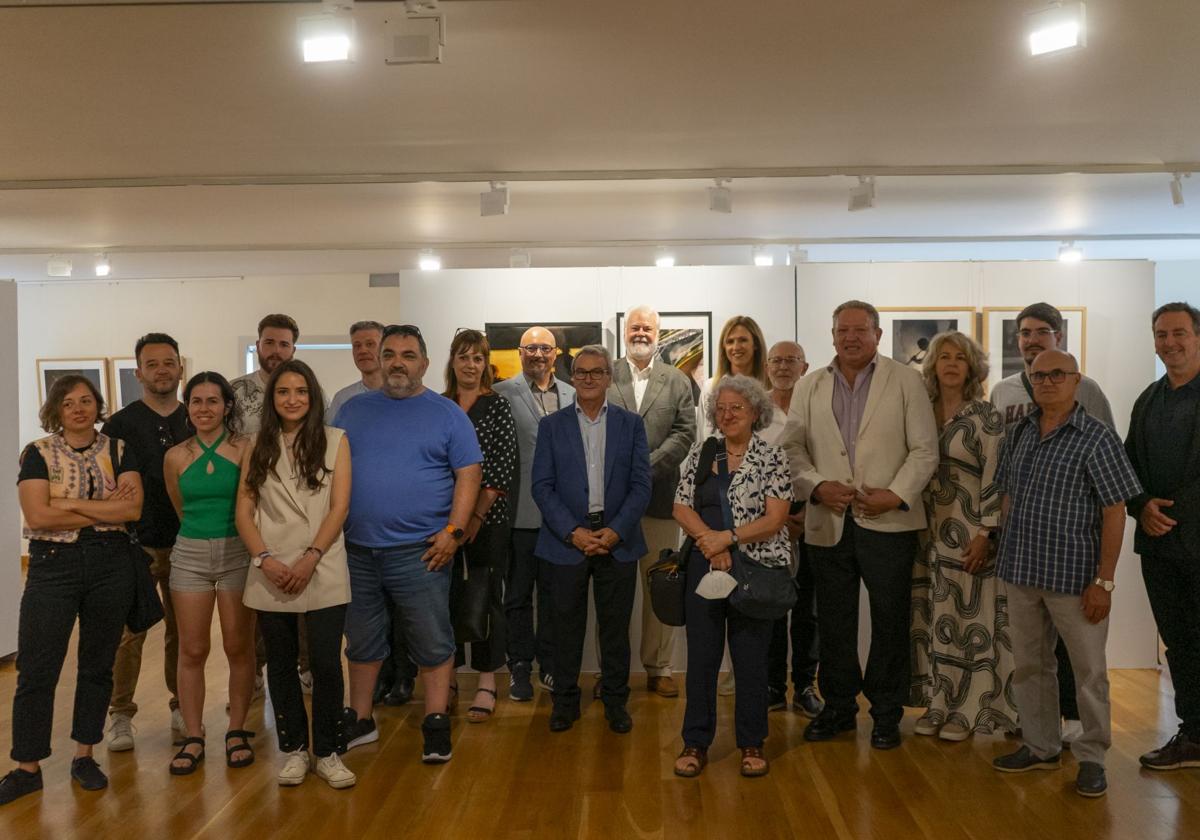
146,609
469,589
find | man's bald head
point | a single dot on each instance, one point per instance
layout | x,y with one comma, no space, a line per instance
1055,377
538,352
785,365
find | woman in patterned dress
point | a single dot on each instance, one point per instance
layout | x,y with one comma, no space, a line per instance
961,652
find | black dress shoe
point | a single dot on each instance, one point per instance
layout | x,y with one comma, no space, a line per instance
828,725
885,736
562,718
618,718
402,692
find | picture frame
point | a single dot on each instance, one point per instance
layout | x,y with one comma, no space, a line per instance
125,386
685,340
504,338
907,330
95,369
1000,339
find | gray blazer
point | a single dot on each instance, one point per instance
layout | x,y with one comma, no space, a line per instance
527,414
669,413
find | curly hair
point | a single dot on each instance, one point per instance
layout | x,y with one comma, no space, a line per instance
751,390
50,414
977,364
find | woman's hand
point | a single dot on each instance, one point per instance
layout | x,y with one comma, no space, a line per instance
277,573
721,562
975,556
302,572
712,543
472,529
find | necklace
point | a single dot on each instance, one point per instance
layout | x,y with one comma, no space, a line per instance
733,454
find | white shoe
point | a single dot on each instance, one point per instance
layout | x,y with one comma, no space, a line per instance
177,724
726,687
120,734
954,731
306,682
295,769
926,724
1071,731
331,769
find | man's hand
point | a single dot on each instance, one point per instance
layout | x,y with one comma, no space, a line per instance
713,543
722,562
607,538
975,555
834,495
587,542
1154,522
1096,603
442,548
873,501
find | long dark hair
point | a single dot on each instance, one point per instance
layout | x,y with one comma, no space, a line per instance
310,444
469,340
233,415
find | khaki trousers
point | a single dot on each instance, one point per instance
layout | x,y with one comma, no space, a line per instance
128,664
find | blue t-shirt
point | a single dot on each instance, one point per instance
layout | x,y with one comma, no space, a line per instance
403,456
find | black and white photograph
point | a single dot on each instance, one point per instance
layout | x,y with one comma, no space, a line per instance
907,332
1000,339
50,370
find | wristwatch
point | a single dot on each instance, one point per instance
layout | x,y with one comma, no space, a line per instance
1106,585
455,531
259,558
733,539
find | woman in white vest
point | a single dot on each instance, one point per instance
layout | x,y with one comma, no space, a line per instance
293,500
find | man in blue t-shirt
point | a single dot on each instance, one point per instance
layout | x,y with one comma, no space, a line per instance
415,473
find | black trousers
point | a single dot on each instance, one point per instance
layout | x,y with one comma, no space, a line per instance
527,573
485,558
324,631
92,581
803,634
1173,584
708,624
613,587
883,562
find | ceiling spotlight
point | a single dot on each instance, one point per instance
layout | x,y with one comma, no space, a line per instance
103,268
416,37
862,197
1177,188
1063,26
1068,253
519,258
797,255
328,36
664,258
429,261
494,202
720,197
763,257
58,267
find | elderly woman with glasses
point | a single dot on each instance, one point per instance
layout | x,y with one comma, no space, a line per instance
748,523
962,656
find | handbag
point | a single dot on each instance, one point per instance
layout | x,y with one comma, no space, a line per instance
764,592
666,580
469,610
146,610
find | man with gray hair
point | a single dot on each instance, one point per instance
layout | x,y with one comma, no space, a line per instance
591,532
651,386
364,345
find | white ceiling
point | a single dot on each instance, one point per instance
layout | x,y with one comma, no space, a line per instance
560,97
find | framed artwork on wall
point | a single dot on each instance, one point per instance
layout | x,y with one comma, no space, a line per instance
1000,339
907,332
684,340
569,335
125,385
50,370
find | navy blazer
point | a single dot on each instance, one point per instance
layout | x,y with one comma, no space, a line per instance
560,483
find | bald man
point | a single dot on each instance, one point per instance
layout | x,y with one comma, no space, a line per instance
533,395
1064,478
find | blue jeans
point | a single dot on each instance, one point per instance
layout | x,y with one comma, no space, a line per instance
421,598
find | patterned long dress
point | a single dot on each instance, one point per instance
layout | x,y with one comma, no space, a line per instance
961,652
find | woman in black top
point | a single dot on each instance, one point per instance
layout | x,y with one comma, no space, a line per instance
77,488
484,559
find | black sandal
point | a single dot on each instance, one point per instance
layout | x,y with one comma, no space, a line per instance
184,754
478,714
245,746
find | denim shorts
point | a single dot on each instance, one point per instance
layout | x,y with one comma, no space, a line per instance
421,597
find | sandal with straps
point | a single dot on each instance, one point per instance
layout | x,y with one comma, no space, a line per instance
244,736
750,770
183,754
478,714
690,772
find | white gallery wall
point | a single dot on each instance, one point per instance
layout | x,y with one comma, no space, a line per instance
10,442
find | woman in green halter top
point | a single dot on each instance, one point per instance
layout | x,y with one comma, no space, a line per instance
208,565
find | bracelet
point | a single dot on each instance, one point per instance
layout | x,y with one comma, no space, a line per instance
263,555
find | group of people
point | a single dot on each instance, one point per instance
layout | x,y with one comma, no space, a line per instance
414,524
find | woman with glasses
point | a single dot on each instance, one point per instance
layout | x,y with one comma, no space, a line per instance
962,656
754,478
483,563
77,488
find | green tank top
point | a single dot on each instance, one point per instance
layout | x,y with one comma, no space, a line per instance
209,489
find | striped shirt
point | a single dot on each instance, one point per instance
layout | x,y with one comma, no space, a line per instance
1057,487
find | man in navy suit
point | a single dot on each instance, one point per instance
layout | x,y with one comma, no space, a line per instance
591,481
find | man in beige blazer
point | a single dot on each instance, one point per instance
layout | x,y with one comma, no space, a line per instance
862,441
644,383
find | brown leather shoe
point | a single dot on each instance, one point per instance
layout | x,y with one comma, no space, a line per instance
662,686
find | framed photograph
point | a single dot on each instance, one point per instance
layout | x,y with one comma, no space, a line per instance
125,385
685,340
1000,339
907,332
569,336
49,371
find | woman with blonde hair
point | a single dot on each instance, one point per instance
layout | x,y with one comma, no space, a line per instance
741,350
962,655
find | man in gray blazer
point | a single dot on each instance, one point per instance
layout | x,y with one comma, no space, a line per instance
662,395
533,395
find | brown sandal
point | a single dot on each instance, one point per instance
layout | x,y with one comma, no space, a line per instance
689,772
749,770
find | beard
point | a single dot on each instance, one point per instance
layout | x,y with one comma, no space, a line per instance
641,352
400,385
161,387
269,363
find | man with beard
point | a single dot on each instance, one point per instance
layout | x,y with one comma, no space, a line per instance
364,344
150,426
415,475
1039,328
277,337
532,396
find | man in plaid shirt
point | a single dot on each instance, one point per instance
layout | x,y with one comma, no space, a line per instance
1065,478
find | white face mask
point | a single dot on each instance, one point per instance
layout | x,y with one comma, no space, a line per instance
716,585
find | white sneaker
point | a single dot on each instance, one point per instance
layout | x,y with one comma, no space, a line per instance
331,769
306,682
954,731
1071,730
120,734
177,724
726,687
295,769
927,724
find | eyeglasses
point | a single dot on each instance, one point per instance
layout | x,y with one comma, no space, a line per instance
1056,376
593,375
538,349
730,408
400,329
1041,332
785,360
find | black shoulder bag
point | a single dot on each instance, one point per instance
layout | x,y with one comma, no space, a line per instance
146,609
